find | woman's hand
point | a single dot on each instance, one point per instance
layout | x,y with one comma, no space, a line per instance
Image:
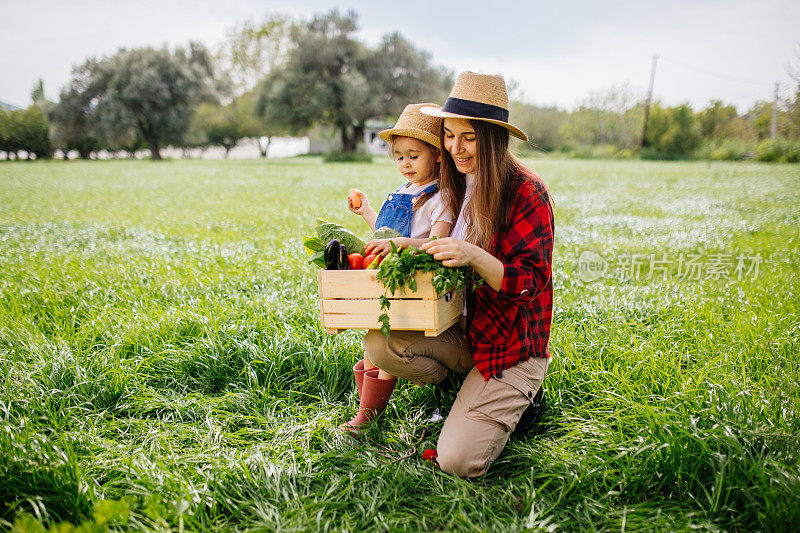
357,202
383,246
454,253
451,252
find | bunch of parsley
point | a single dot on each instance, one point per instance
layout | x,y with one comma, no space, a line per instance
398,268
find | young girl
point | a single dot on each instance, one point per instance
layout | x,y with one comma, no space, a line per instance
417,211
416,208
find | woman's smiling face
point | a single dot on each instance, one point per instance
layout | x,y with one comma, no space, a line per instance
459,140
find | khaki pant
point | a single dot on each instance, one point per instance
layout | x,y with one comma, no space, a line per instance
485,412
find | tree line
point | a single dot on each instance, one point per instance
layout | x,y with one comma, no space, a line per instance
282,76
611,124
276,77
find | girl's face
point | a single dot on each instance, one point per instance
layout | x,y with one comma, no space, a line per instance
459,140
415,160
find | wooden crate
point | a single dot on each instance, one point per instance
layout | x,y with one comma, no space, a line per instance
349,300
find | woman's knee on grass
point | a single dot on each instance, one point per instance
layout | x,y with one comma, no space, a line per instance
461,465
466,457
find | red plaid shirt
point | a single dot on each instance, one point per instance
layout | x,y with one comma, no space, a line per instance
506,327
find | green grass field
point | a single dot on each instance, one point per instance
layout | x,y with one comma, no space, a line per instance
163,366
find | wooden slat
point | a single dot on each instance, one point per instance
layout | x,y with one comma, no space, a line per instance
363,314
430,316
449,312
361,284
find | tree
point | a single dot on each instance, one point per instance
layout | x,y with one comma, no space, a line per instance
6,136
788,118
321,81
25,129
256,123
760,116
793,115
72,116
224,126
606,117
401,74
717,121
140,95
542,124
331,78
793,105
252,50
33,132
71,130
673,132
38,97
120,137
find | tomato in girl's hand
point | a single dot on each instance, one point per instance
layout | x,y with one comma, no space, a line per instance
356,261
354,198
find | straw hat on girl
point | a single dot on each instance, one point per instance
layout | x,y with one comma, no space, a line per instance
477,97
414,124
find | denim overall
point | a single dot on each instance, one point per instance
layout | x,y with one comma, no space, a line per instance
398,210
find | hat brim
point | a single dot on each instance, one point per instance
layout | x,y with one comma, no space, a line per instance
423,136
437,112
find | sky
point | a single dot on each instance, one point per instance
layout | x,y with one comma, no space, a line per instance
559,53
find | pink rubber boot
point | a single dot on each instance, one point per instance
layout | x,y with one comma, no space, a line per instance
375,395
358,374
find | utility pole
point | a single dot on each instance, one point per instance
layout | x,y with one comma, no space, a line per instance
649,99
774,132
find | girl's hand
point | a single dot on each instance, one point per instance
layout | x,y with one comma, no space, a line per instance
381,246
357,202
452,252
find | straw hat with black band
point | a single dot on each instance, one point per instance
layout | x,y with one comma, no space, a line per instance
477,97
412,123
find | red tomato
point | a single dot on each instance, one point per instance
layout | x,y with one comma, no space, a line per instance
356,261
370,258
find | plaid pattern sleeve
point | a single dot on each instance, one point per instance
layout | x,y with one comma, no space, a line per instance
508,326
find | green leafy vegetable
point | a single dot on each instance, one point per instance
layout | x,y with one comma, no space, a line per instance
314,248
317,259
384,318
386,232
326,232
398,269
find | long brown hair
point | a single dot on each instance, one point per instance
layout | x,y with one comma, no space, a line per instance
496,169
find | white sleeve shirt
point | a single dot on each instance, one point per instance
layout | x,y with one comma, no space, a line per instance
431,212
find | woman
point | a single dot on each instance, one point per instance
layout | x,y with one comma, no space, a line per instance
505,232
